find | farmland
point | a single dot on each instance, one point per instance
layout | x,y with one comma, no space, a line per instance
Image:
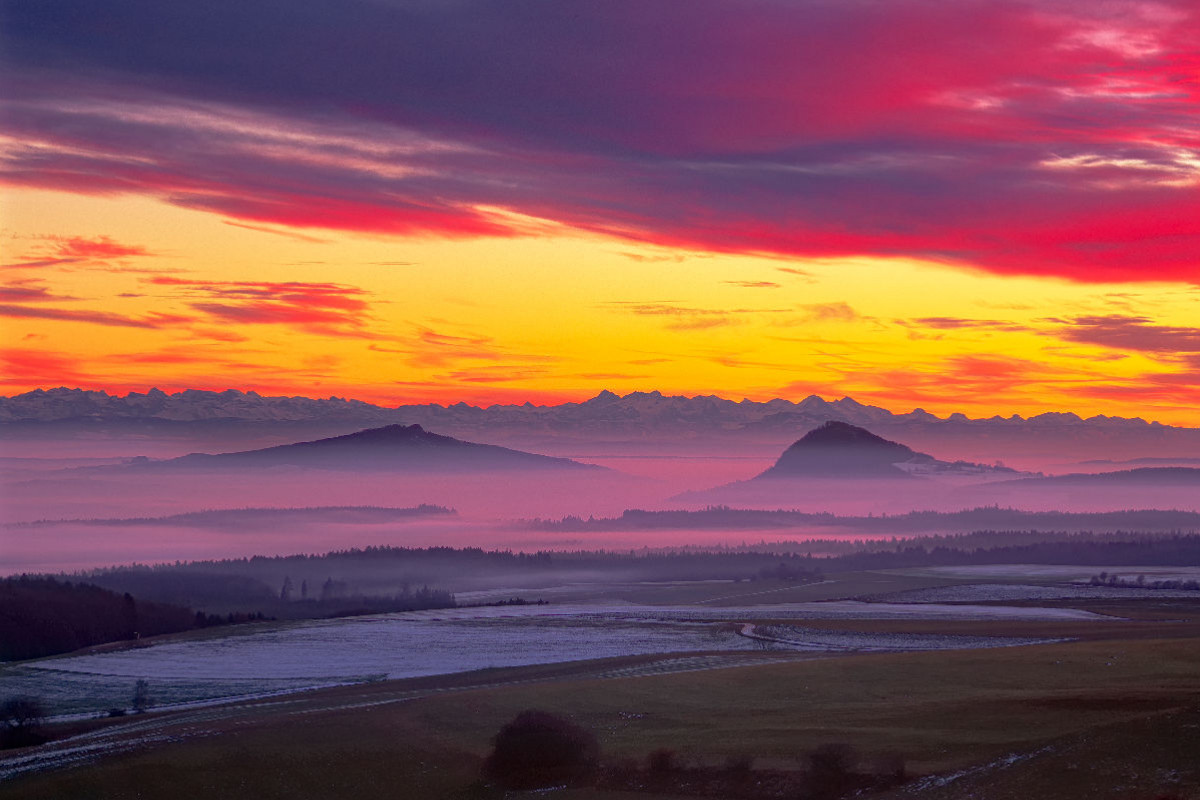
989,695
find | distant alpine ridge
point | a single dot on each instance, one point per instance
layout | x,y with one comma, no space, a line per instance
192,405
649,423
608,411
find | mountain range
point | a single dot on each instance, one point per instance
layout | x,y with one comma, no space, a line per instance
639,409
647,420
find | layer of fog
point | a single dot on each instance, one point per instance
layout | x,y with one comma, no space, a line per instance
67,480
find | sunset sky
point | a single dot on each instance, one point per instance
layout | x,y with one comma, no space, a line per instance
988,207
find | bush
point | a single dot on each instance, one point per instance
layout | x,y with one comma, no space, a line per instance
538,749
739,767
831,770
890,768
22,719
661,761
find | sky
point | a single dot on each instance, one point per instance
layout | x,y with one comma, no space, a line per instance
979,206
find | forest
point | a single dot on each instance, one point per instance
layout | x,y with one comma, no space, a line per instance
974,519
41,616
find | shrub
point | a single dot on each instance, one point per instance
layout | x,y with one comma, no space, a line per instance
661,761
538,749
739,767
890,768
22,719
831,770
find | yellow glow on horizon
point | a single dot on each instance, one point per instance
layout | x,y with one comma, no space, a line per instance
562,315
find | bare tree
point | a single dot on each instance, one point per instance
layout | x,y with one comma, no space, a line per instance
22,719
141,695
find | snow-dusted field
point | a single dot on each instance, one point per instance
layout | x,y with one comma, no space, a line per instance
1007,592
329,652
295,656
797,638
857,609
1052,572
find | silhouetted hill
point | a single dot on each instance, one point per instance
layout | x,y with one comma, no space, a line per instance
841,450
842,467
392,447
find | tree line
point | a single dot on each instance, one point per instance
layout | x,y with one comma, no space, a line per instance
994,517
41,616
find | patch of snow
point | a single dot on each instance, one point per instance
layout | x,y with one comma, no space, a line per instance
985,592
1053,572
293,657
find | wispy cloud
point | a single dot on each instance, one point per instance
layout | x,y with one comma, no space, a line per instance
495,373
57,251
963,323
299,237
838,311
439,349
99,248
29,293
327,309
754,284
91,317
684,318
1130,333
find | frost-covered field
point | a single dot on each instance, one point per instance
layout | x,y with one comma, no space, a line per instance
1007,592
1052,572
295,656
857,609
818,639
328,652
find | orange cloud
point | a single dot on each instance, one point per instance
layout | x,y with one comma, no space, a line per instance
24,367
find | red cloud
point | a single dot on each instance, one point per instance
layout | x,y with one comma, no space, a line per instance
100,248
55,251
328,309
